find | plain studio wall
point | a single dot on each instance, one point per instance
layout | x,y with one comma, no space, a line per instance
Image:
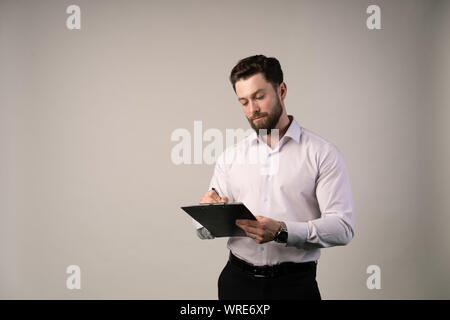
86,118
438,155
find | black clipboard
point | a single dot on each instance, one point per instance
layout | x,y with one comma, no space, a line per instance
220,218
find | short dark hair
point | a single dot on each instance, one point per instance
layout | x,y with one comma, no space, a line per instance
247,67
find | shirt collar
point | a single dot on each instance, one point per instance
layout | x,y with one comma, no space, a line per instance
294,132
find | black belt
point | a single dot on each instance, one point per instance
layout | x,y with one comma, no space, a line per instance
275,270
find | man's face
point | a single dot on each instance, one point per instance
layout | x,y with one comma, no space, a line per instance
260,102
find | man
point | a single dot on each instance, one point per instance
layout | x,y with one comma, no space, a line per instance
304,204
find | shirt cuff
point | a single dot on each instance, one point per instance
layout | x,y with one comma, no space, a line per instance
297,233
202,232
196,224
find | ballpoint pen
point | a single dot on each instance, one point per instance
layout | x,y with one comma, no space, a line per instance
220,202
216,192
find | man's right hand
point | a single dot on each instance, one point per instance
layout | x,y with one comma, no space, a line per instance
212,197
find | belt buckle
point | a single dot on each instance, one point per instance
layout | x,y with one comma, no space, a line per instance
265,272
257,273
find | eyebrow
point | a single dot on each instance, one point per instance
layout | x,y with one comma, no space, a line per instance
253,94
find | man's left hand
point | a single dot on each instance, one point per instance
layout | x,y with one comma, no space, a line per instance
262,230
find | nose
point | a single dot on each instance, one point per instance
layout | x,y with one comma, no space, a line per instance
253,107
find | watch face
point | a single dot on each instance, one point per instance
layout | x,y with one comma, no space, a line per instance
282,237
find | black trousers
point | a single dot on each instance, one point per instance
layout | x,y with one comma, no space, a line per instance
237,284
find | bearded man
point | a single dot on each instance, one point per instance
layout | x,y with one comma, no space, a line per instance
304,205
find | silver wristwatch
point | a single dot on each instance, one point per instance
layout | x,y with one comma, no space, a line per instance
282,235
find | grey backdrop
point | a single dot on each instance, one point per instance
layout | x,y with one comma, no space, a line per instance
86,116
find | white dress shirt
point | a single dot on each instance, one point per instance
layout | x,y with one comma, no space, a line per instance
303,181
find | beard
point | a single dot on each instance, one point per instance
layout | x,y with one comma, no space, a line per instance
269,121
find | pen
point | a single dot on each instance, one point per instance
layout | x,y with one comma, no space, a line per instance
218,203
216,192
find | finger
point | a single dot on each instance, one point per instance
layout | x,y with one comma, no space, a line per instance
213,194
245,228
257,232
224,199
207,199
210,197
255,237
247,222
254,232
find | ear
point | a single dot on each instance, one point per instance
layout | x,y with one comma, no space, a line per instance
282,90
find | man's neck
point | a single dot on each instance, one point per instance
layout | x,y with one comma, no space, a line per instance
282,127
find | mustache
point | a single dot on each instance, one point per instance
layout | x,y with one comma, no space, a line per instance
257,115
